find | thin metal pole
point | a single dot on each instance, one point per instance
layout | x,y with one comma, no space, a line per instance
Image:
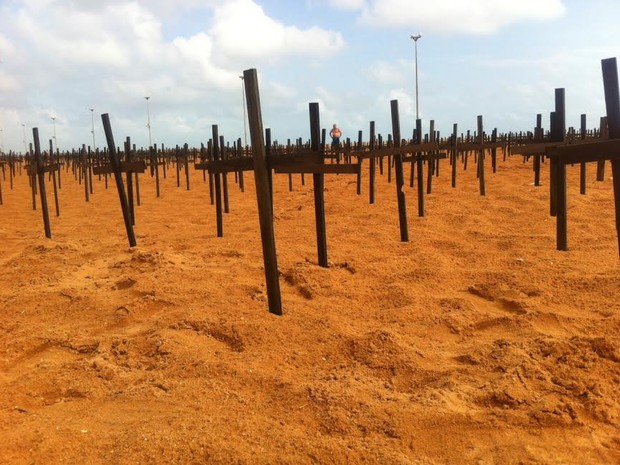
415,40
24,131
92,119
54,123
148,119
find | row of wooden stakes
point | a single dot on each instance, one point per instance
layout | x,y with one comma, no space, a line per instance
266,158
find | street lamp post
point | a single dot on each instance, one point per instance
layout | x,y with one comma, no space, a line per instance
148,119
415,40
1,141
24,133
54,124
245,130
92,120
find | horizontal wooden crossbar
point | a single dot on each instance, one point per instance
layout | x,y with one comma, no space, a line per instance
344,168
426,156
471,146
126,166
386,151
32,169
534,149
586,152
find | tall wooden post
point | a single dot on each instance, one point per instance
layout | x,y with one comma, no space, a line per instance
400,177
612,104
318,181
41,175
116,167
372,166
217,182
560,173
265,215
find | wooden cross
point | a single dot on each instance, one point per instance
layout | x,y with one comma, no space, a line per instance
117,168
590,152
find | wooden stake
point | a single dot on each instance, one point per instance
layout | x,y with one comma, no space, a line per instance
265,215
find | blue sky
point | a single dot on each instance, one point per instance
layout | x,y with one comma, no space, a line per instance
498,58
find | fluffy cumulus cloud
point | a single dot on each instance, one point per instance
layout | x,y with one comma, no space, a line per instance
61,57
454,16
243,32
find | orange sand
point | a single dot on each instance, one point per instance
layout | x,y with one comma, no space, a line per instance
475,343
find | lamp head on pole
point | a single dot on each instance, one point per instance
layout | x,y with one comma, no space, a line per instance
416,37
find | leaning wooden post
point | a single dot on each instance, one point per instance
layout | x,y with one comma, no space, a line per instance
263,197
53,172
41,175
185,158
116,167
612,104
400,176
318,182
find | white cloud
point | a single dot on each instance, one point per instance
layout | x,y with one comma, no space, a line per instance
347,4
458,16
243,32
66,56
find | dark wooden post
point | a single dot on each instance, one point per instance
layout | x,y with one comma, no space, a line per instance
431,160
420,168
128,156
454,152
265,215
224,156
269,171
538,136
612,104
186,162
494,150
604,133
217,182
41,175
582,165
116,167
400,177
560,173
372,165
85,172
54,168
553,131
318,181
481,156
359,162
